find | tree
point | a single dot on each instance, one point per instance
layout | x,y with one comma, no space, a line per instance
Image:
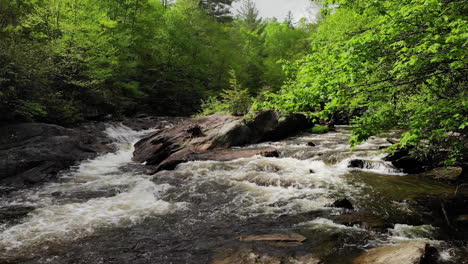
219,9
399,66
249,14
289,19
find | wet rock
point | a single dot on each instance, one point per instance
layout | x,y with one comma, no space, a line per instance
343,203
356,163
274,237
33,153
402,160
271,126
408,163
279,240
193,138
311,144
249,256
408,253
445,212
365,220
393,141
219,155
444,173
364,164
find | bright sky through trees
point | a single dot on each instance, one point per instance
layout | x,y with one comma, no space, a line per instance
280,8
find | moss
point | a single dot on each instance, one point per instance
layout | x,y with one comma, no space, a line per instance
319,129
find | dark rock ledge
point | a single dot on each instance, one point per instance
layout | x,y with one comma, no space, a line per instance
33,153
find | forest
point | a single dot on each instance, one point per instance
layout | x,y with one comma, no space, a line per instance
377,64
204,131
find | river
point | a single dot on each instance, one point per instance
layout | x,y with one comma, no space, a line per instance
108,210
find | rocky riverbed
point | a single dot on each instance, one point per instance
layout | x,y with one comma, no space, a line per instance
275,197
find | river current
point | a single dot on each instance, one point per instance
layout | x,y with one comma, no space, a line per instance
108,210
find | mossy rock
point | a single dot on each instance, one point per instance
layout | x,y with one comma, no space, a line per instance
320,129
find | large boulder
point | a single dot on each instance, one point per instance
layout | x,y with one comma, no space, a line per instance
32,153
187,140
408,253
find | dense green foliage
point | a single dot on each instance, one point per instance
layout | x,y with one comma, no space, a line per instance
389,64
378,63
236,100
64,61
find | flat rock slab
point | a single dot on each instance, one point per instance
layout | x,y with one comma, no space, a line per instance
274,237
364,220
408,253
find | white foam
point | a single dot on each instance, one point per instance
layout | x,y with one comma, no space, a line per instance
403,233
323,223
57,221
62,223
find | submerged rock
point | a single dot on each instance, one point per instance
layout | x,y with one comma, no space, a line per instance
444,173
32,153
408,253
193,138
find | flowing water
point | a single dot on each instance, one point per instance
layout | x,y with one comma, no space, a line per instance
108,210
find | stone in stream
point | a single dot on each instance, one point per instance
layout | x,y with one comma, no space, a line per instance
402,160
356,163
274,237
363,164
33,153
365,220
250,256
408,253
280,240
343,203
193,138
